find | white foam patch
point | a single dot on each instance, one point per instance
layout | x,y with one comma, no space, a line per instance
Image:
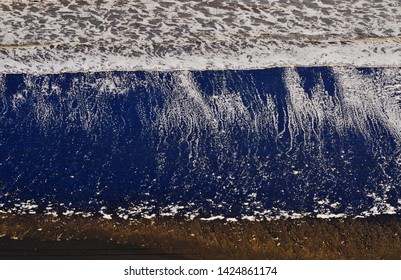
219,217
134,212
330,216
73,36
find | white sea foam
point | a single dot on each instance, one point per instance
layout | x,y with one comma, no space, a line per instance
379,208
219,217
69,36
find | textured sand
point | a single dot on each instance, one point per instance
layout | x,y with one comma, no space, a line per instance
44,237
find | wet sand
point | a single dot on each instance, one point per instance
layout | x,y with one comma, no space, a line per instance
45,237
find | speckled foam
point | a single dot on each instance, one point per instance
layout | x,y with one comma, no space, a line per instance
72,36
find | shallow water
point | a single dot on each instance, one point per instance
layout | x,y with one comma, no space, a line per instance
254,144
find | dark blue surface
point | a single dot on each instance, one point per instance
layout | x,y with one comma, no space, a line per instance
87,141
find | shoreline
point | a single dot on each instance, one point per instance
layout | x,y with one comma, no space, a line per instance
45,237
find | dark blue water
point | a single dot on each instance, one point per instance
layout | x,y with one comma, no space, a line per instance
262,143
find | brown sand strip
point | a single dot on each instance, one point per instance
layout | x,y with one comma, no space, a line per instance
44,237
31,249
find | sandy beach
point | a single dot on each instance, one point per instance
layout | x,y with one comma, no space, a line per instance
45,237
